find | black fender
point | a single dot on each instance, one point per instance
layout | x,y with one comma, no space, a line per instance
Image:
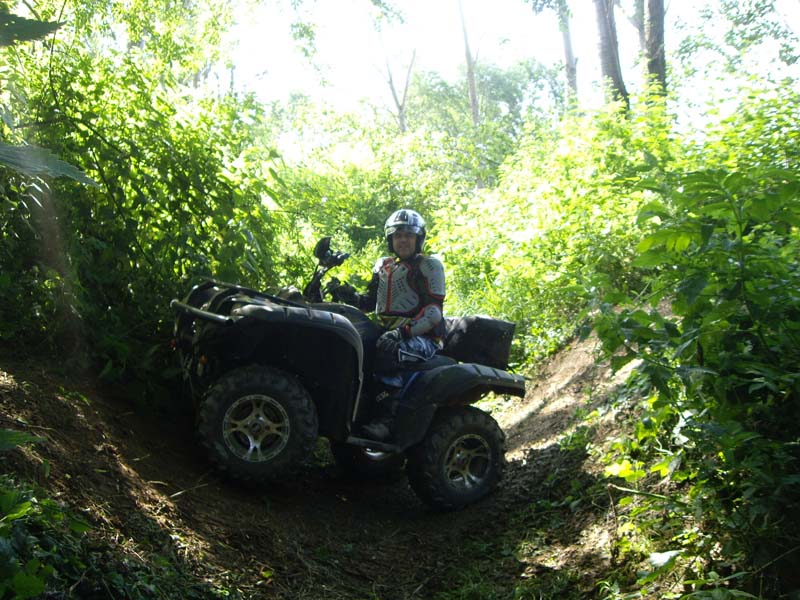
321,348
449,385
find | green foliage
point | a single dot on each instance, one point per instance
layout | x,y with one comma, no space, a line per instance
684,251
558,224
34,161
10,439
15,29
508,99
724,356
25,564
728,35
183,192
31,160
22,571
45,549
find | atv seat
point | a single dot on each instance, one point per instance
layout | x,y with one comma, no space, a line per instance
437,360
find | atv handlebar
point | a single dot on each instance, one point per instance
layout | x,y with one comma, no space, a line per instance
334,259
327,260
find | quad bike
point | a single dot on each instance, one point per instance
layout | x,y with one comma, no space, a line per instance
270,373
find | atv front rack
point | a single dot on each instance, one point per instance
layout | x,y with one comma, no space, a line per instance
200,313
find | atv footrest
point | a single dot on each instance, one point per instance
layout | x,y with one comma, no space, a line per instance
372,444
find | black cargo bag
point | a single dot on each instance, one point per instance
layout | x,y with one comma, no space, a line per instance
478,339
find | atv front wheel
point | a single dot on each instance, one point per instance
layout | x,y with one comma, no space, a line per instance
365,462
460,461
255,422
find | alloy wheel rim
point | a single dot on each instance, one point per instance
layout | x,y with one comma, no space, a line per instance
467,462
256,428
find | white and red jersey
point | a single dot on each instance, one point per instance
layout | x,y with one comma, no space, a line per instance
408,293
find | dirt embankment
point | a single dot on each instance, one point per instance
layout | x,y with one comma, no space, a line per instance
144,486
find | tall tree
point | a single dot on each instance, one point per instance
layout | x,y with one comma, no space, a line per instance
636,18
562,11
472,87
647,18
609,51
400,99
654,43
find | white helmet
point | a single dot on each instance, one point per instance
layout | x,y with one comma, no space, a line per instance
408,220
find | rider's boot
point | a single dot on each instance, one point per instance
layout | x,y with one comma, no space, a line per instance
380,428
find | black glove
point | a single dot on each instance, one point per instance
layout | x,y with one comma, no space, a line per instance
342,292
389,342
387,356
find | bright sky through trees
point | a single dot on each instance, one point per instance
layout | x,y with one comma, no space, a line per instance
352,54
354,43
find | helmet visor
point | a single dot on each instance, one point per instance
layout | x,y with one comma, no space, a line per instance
415,229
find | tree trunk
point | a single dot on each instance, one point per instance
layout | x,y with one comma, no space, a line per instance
569,55
654,43
609,51
636,19
400,101
472,88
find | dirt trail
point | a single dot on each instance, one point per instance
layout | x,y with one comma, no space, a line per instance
144,485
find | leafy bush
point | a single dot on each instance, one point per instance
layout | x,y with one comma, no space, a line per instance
184,192
723,428
25,563
560,223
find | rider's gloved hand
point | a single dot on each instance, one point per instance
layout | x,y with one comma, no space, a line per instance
332,284
342,292
387,355
389,342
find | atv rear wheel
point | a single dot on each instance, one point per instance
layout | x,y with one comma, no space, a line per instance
460,461
365,462
255,422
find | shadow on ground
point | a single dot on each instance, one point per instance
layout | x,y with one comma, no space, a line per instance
142,483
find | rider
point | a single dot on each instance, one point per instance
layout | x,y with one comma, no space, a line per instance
407,292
